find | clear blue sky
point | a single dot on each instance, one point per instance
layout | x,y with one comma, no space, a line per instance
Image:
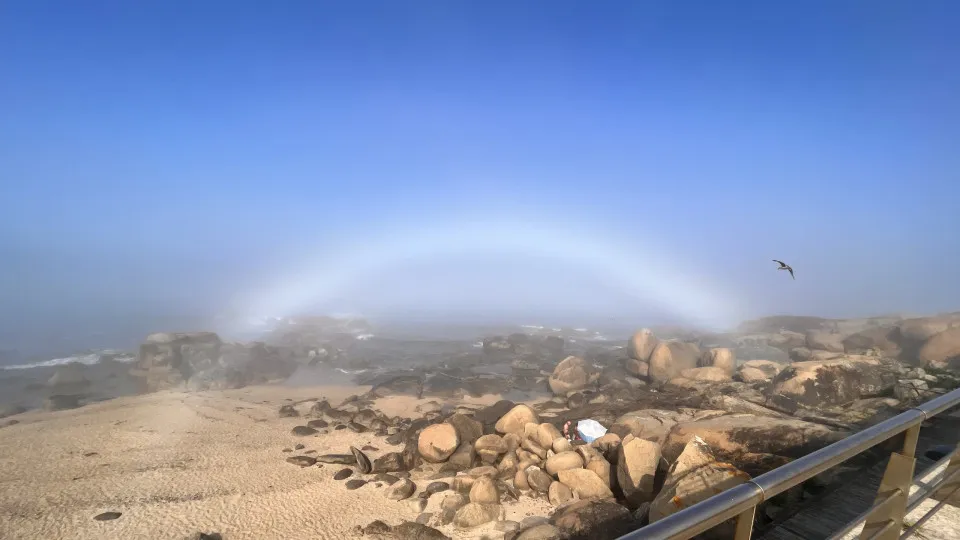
173,155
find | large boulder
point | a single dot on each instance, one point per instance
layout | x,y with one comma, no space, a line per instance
824,341
695,476
585,484
637,463
438,442
834,381
719,357
570,375
590,519
882,339
921,329
670,358
515,419
941,351
167,360
202,361
641,344
748,433
639,349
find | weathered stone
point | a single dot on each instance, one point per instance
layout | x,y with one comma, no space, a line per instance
636,469
593,519
721,358
758,371
514,420
559,494
824,341
400,490
641,345
942,351
538,480
836,381
695,476
736,433
438,442
468,429
670,358
563,461
476,514
706,374
570,375
585,484
484,491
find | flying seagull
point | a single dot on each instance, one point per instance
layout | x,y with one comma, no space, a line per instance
785,266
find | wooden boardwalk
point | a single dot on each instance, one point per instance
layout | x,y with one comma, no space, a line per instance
826,515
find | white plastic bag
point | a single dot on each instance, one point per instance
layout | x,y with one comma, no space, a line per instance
590,430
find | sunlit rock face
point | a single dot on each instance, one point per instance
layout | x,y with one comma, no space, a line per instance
737,434
838,380
670,358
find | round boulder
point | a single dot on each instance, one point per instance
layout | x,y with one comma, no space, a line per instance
570,375
670,358
438,442
641,344
722,358
515,419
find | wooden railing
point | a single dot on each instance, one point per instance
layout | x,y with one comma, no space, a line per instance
882,521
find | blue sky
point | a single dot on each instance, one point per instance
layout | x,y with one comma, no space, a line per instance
184,156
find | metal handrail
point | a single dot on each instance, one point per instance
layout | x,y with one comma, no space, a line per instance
744,498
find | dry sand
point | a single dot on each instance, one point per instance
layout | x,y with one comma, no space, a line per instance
176,464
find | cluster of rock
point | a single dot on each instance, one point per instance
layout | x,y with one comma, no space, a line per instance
460,467
926,342
201,361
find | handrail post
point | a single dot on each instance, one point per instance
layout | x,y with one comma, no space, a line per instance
885,521
745,524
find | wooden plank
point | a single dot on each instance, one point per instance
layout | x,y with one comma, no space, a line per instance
832,512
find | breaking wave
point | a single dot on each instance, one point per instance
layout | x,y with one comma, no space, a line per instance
86,359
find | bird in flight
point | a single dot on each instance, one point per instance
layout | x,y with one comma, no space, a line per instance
785,266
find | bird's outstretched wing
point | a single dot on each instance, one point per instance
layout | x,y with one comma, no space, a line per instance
791,272
781,263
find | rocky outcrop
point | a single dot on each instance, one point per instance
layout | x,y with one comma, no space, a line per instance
824,341
884,340
735,434
201,361
835,381
942,350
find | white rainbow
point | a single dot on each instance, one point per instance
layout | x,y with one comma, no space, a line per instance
641,270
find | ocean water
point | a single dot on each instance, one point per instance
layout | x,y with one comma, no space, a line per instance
86,359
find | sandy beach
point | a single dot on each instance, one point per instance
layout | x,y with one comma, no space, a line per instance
175,464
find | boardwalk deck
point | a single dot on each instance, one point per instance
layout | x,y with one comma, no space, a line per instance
827,515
